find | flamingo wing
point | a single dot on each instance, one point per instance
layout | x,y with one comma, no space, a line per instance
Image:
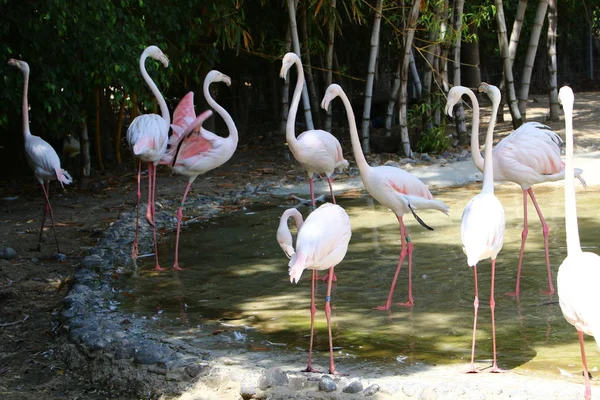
183,116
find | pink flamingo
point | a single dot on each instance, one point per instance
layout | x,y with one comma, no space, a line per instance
148,136
529,155
317,151
398,190
202,151
321,243
579,274
41,157
482,224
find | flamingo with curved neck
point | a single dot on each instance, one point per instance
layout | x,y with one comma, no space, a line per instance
529,155
579,274
317,151
41,157
321,244
195,150
395,188
148,135
482,225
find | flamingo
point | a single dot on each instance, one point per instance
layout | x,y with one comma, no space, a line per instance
482,224
317,151
579,274
41,157
321,243
194,152
529,155
148,135
395,188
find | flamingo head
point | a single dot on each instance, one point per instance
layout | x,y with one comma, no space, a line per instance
157,54
22,65
284,238
216,76
492,91
454,96
331,93
288,60
566,97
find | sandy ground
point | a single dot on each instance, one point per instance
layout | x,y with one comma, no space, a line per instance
33,284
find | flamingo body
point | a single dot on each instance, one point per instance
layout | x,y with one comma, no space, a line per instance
482,228
317,151
148,136
394,188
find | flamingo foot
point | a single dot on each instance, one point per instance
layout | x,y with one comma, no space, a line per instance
496,370
334,372
158,268
473,370
326,277
150,219
134,252
177,268
512,294
383,308
316,276
409,303
310,369
548,292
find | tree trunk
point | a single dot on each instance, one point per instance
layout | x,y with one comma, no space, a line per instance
329,60
414,74
393,96
552,64
511,97
119,134
98,136
134,108
530,57
310,81
285,92
296,45
409,36
459,111
366,117
470,58
86,164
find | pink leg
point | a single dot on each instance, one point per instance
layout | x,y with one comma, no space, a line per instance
326,277
44,213
48,209
134,250
313,311
493,307
150,205
331,190
179,219
328,316
545,232
524,234
312,192
476,307
404,250
152,190
588,389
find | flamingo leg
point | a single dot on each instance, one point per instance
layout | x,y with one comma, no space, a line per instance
44,213
331,190
476,308
134,250
403,253
179,219
152,189
313,311
409,247
524,234
588,389
545,232
328,316
312,193
493,307
48,210
150,204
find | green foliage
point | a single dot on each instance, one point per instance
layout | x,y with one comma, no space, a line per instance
434,140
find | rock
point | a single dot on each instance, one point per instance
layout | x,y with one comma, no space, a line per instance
272,377
92,261
371,390
426,157
354,387
326,384
8,253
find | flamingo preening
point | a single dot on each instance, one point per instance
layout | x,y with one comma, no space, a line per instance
41,157
148,135
578,276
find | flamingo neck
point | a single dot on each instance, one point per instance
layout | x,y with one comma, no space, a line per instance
359,157
233,132
475,152
295,214
488,165
571,227
164,110
290,131
26,131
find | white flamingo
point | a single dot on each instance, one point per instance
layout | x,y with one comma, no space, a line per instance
579,274
482,224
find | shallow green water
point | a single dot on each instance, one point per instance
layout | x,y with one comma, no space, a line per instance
236,272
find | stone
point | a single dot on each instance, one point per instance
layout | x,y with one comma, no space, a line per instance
326,384
371,390
272,377
92,261
354,387
8,253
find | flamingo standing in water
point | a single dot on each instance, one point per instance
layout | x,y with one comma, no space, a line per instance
41,157
148,136
393,187
579,274
482,224
321,243
318,151
194,152
529,155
